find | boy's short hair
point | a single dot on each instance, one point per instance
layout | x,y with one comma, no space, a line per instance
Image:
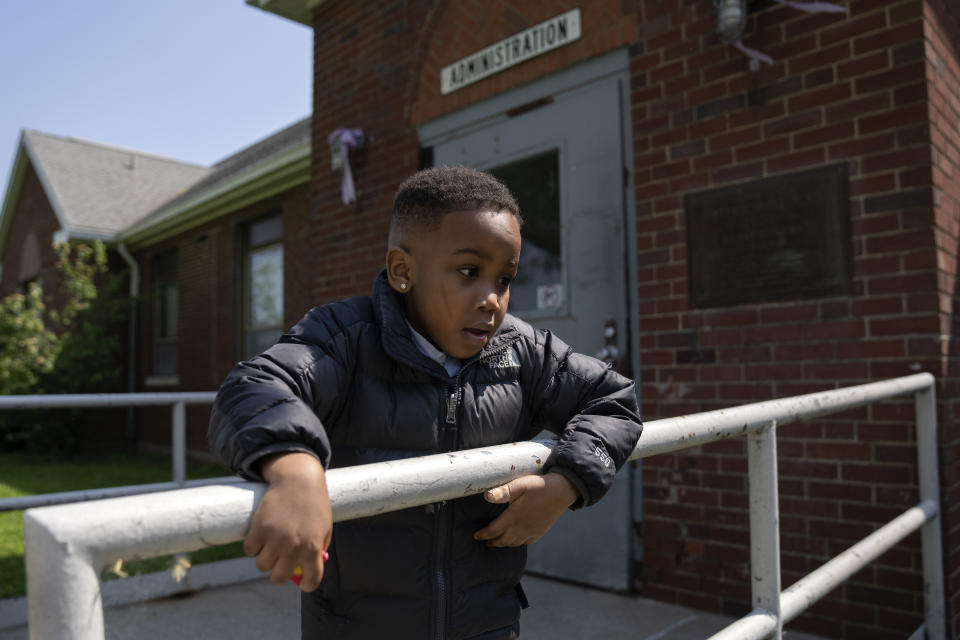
426,196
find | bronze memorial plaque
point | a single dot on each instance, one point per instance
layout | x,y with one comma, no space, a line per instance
780,238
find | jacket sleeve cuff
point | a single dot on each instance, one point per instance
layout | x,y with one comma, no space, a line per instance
250,466
577,484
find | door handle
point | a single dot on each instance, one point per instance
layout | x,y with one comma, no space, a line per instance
610,353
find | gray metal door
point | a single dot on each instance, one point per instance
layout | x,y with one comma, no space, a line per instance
561,154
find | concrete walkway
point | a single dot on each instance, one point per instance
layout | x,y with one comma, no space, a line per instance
258,610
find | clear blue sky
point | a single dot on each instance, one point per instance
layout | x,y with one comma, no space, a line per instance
194,80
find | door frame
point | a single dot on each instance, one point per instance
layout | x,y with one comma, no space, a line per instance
494,110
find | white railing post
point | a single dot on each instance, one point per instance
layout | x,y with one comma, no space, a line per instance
925,403
67,545
179,411
56,572
764,522
179,443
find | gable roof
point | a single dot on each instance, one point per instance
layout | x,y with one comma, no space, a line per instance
110,193
292,136
274,164
98,190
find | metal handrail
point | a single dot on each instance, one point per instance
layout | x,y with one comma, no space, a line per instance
67,545
178,400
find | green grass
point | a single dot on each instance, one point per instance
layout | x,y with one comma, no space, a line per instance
22,475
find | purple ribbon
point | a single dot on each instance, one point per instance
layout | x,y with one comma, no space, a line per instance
814,7
753,54
347,139
809,7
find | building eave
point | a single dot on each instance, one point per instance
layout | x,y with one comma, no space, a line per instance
296,10
84,233
12,196
46,183
269,178
25,157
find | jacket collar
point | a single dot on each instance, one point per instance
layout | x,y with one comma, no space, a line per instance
398,341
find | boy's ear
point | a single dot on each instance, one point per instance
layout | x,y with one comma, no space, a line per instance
400,267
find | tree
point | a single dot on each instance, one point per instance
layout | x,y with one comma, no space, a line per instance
70,347
28,348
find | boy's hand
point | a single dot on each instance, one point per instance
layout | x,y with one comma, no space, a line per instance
292,524
535,504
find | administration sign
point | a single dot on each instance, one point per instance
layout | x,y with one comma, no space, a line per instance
546,36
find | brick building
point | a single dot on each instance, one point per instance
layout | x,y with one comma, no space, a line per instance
70,189
748,230
190,232
870,94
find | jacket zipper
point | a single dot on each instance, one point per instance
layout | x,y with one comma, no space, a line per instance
454,398
452,407
443,517
443,511
450,438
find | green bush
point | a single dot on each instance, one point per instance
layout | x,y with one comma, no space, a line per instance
28,348
71,347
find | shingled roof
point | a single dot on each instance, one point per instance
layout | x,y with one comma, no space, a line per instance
110,193
98,190
292,136
275,164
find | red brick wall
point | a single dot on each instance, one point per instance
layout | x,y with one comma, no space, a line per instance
843,88
364,57
942,48
34,215
208,273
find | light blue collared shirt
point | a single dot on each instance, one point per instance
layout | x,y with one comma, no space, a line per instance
451,364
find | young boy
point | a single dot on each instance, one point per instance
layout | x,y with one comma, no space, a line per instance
431,362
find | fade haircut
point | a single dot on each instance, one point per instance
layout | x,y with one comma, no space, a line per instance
425,197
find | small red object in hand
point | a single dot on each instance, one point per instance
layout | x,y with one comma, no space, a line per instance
298,572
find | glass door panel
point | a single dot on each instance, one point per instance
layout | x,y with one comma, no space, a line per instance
535,182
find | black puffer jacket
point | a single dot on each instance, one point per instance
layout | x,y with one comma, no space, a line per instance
348,385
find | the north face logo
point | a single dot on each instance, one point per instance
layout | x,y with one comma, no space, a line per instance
501,360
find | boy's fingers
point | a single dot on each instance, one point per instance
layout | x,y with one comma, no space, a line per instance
493,530
253,541
507,539
510,491
282,571
501,527
312,575
498,494
267,559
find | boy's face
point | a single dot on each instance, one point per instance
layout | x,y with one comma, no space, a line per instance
459,278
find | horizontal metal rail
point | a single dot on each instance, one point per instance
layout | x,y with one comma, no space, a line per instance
21,503
683,432
774,608
87,400
178,400
67,545
800,596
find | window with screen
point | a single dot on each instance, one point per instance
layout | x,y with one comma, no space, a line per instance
166,312
262,284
